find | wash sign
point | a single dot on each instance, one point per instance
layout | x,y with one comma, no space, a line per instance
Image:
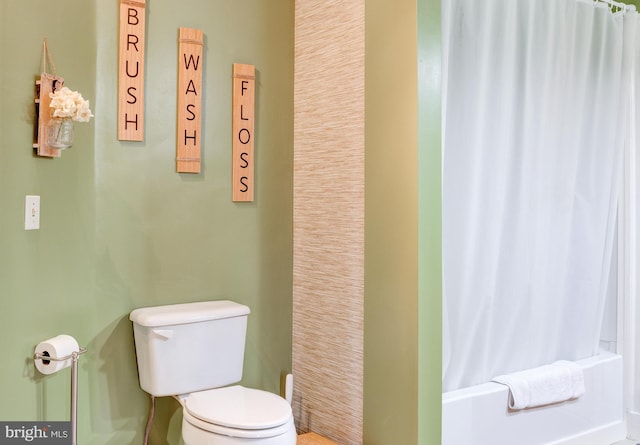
36,433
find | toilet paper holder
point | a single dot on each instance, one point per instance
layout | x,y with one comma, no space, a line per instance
74,385
46,357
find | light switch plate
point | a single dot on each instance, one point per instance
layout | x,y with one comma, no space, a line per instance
32,212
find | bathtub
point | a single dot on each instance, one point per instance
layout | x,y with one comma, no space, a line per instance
479,414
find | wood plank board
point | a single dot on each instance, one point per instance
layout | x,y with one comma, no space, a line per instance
189,132
48,83
243,132
131,70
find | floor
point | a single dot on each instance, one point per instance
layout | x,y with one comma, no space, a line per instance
314,439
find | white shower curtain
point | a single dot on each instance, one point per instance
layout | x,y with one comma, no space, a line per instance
536,105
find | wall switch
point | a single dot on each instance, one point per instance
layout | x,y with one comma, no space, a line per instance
31,212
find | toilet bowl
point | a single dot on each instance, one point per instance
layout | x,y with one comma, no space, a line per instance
194,352
236,415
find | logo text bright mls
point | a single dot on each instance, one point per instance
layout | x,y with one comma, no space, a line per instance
40,433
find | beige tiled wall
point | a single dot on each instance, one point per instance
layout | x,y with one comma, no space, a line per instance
328,272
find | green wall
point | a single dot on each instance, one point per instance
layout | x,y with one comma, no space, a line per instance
119,228
429,223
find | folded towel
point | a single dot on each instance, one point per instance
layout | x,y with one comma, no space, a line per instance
557,382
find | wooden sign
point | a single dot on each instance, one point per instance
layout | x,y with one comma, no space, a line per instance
189,134
48,83
243,137
131,71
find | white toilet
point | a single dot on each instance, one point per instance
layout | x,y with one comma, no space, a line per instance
193,351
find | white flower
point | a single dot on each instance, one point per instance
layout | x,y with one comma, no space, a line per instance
69,104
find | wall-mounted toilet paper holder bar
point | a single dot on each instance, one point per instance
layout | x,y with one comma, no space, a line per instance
74,385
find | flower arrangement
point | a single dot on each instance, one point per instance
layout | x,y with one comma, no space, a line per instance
68,104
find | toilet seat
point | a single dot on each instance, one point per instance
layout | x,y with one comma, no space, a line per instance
237,411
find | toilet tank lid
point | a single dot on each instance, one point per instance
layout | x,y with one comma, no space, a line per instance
185,313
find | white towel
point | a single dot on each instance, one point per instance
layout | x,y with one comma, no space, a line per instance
557,382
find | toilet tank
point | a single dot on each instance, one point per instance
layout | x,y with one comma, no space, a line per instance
183,348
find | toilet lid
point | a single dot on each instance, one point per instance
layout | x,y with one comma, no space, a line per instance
239,407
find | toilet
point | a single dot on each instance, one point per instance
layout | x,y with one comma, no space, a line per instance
195,353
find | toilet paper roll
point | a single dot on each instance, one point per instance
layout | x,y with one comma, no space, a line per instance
56,347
